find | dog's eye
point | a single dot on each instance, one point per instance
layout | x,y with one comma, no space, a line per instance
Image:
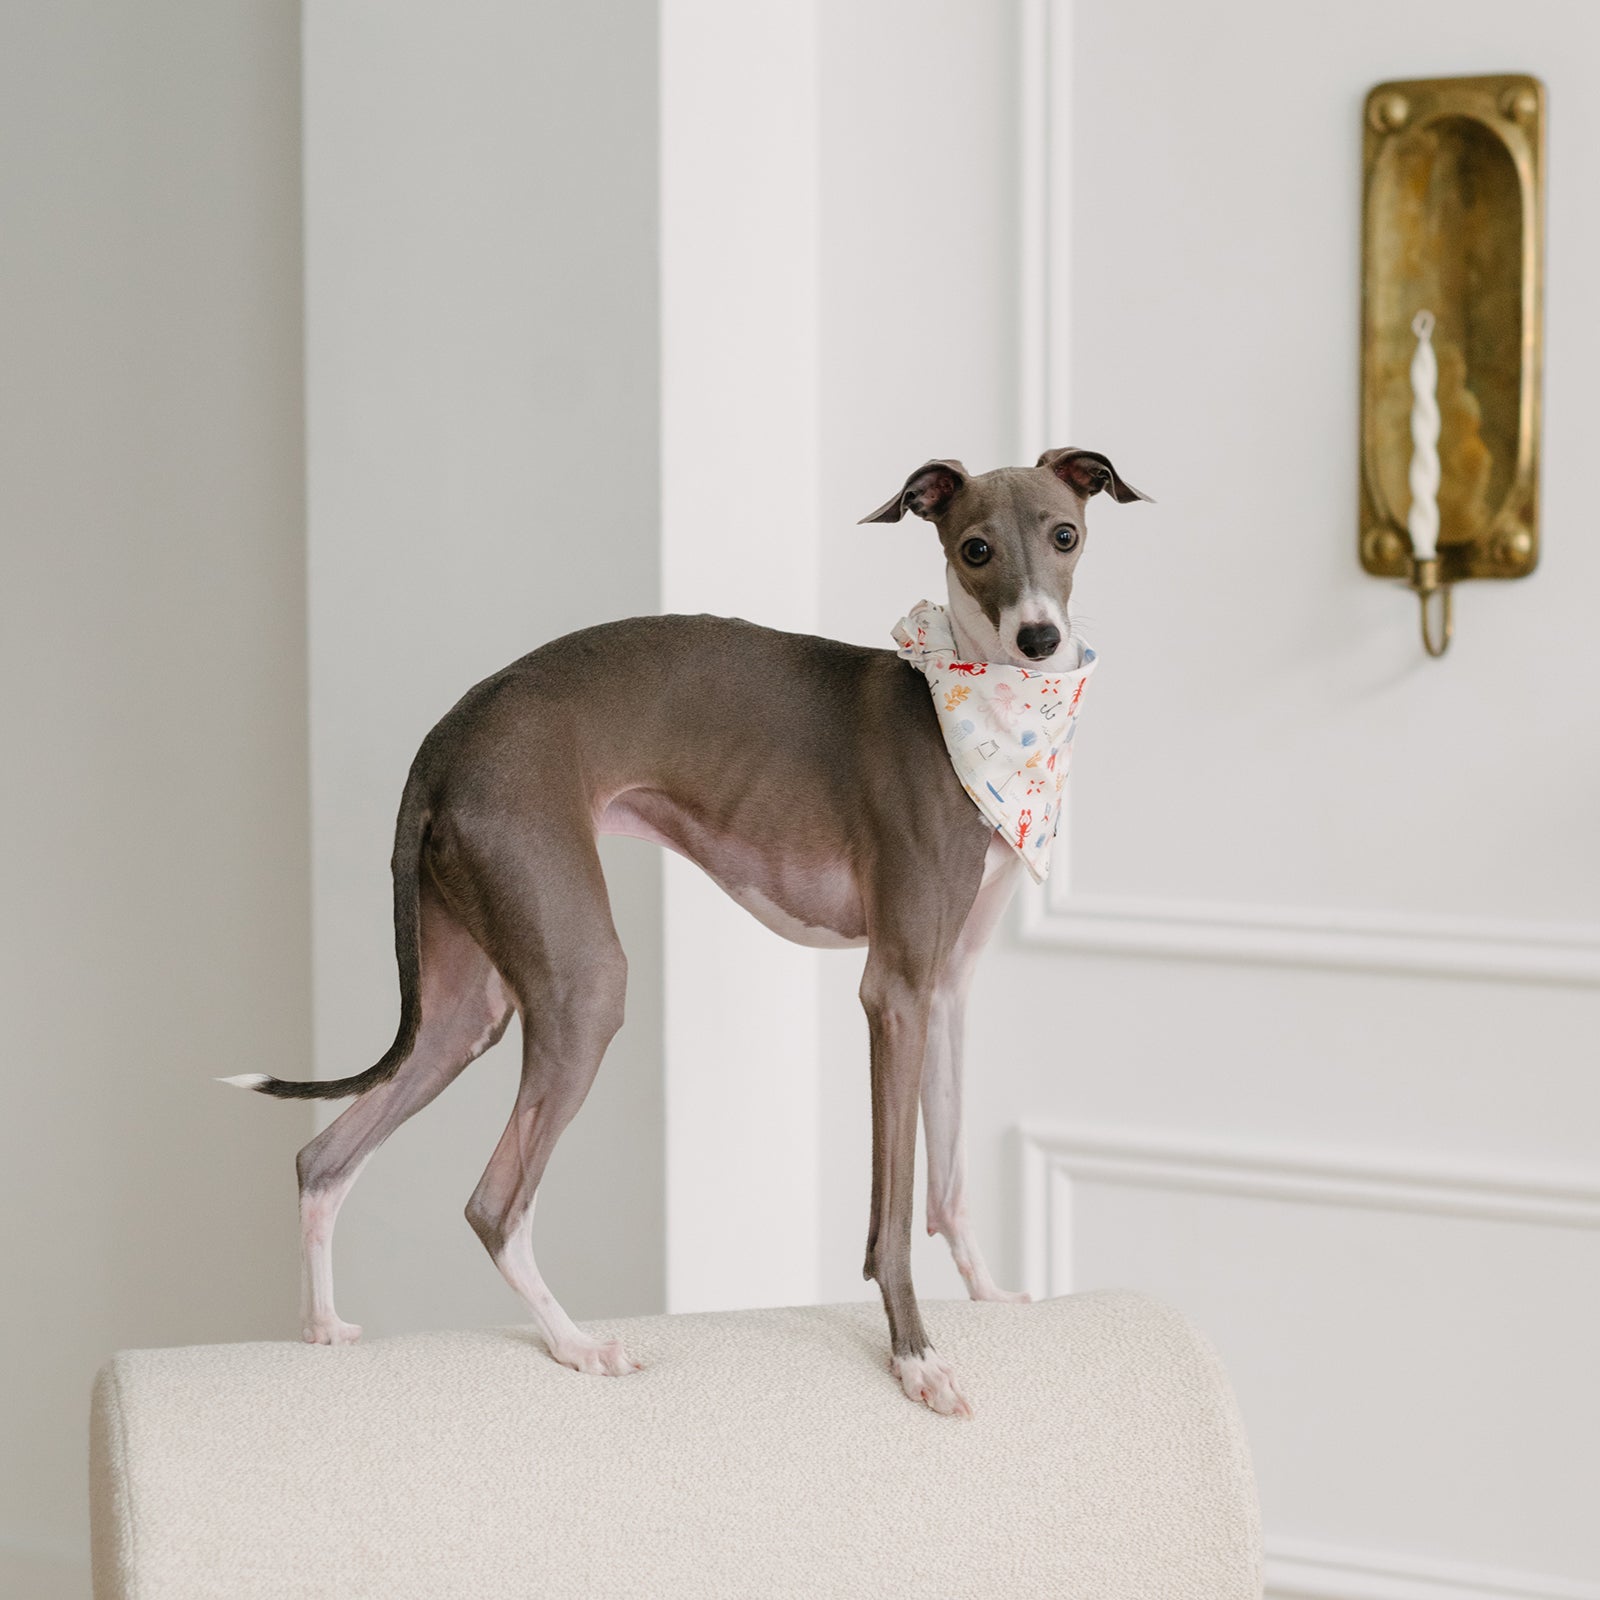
1066,538
975,552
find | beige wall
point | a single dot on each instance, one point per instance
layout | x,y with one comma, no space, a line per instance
153,721
483,412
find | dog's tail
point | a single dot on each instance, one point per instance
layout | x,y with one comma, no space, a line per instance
410,835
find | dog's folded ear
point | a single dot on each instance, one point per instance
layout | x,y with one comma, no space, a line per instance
927,492
1087,472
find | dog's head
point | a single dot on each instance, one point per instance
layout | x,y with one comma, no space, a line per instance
1012,542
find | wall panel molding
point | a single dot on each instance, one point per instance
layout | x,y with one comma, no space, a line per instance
1414,944
1055,1158
1303,1570
1108,1185
1397,942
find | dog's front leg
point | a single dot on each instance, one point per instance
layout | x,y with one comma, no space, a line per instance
942,1077
897,1008
947,1160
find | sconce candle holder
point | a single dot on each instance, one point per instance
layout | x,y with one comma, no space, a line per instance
1452,259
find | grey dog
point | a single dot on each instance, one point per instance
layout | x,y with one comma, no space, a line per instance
846,826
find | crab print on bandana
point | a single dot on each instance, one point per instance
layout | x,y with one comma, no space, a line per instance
1008,730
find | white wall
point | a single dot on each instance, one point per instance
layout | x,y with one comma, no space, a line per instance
1266,730
153,723
1413,1369
482,337
740,312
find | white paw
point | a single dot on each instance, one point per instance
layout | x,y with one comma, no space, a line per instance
330,1330
603,1360
932,1380
1010,1297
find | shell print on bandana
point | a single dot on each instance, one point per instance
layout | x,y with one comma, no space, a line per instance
1008,730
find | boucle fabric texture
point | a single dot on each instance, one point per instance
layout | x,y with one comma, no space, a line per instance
758,1453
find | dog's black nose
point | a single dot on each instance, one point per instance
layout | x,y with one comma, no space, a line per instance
1038,640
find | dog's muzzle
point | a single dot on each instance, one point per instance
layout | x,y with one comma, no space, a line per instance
1039,640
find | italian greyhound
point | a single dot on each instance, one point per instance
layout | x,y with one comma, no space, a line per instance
841,823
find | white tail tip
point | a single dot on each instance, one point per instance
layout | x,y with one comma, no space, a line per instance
246,1080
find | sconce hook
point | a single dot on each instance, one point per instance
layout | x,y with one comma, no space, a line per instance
1425,581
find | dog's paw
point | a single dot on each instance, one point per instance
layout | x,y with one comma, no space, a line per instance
1009,1297
932,1380
603,1360
330,1330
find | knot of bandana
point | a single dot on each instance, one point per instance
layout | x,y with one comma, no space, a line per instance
1008,731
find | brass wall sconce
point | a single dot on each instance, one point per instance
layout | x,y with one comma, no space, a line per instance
1451,339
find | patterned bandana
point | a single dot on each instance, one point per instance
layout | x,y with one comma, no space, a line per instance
1008,730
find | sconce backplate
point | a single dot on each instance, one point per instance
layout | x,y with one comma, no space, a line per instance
1453,220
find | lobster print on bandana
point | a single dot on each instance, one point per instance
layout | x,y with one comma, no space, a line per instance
1008,730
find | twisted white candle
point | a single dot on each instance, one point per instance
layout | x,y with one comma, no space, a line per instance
1424,518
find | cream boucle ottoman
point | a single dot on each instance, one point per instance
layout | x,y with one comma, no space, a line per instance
758,1453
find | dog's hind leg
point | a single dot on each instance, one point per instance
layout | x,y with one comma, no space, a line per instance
942,1080
465,1009
549,924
